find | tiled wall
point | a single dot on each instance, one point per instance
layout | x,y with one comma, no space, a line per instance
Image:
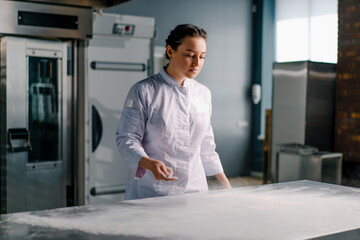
347,126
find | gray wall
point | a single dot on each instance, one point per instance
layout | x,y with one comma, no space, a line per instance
227,66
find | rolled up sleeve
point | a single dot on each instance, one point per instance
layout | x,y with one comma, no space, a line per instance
130,132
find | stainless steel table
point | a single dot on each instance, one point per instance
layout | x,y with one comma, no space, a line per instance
293,210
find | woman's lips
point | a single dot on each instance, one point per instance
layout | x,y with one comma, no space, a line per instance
194,70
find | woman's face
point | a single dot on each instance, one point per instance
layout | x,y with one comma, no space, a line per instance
188,59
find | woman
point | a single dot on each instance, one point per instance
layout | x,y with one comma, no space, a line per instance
164,132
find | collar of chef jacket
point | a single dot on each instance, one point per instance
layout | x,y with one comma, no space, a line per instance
170,80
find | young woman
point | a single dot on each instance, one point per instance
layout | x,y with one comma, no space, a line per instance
164,132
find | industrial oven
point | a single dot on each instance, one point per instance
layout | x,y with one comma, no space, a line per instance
34,94
37,83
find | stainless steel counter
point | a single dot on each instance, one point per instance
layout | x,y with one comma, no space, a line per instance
293,210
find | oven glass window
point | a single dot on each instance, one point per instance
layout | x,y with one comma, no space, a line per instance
44,109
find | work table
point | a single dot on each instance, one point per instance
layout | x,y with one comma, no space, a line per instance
292,210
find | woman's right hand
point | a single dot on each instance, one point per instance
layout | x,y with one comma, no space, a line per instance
158,168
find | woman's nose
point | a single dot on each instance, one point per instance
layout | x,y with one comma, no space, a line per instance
196,61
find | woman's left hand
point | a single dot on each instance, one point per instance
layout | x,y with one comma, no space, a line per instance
221,177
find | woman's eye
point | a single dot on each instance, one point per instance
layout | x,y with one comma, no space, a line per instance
194,56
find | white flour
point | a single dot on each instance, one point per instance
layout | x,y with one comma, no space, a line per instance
266,212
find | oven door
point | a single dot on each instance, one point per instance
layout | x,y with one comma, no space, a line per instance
33,149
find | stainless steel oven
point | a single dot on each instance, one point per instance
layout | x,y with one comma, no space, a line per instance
34,99
39,79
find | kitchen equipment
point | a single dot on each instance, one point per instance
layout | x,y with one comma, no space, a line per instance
37,100
119,55
43,102
35,110
300,162
303,106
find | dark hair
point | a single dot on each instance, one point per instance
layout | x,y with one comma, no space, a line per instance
180,32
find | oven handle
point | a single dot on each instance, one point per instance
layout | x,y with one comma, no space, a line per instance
97,128
19,133
107,190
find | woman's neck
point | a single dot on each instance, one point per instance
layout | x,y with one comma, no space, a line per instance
171,71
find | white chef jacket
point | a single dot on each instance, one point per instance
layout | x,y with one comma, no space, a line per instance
170,123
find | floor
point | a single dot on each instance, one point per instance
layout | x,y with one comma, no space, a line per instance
235,182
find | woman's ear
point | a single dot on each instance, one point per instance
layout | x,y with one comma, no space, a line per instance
169,51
